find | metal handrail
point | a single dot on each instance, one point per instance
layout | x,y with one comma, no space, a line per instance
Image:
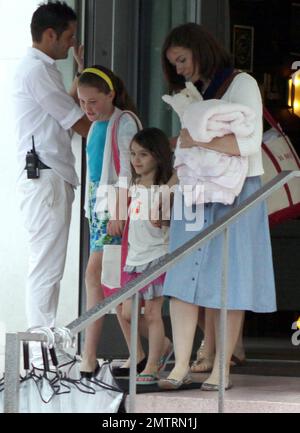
131,290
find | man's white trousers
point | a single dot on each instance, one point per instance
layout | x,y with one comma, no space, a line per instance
46,205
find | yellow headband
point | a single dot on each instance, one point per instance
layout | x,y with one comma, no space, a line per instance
100,74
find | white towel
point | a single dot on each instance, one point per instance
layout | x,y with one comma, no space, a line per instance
206,120
211,176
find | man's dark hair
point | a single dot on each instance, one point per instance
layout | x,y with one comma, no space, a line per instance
55,15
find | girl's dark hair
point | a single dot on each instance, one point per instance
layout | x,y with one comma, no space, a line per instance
207,53
122,100
55,15
157,143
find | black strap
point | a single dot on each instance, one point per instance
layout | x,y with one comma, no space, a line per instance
225,85
43,166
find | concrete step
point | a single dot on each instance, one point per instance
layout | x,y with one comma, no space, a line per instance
250,394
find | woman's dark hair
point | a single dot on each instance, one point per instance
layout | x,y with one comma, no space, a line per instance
157,143
207,53
55,15
122,100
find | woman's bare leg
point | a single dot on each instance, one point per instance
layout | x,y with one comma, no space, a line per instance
205,359
184,319
239,350
234,321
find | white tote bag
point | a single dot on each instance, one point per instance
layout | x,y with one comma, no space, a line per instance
112,254
111,266
279,155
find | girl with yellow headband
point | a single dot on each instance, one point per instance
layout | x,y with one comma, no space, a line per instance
103,97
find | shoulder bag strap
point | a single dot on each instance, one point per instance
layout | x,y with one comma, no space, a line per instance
124,250
115,128
115,151
224,86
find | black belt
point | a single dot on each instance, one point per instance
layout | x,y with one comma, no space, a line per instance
42,166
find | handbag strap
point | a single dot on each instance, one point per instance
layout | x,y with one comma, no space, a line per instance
124,250
225,85
116,157
271,121
114,141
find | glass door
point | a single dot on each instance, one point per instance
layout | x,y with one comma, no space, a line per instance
157,18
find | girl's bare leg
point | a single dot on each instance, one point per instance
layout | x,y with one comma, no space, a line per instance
94,295
156,331
124,317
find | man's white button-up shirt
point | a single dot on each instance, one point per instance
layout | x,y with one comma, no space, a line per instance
45,110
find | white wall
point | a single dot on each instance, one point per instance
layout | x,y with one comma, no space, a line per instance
15,37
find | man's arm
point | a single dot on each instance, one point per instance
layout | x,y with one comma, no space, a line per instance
73,90
82,127
78,54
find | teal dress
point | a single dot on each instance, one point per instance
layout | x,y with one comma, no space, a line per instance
95,153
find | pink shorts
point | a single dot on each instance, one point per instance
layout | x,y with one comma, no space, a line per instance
127,277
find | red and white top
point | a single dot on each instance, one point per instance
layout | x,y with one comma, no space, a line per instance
145,242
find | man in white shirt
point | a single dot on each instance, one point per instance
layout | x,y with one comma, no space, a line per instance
45,111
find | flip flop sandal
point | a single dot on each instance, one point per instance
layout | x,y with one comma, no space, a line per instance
213,387
146,379
173,384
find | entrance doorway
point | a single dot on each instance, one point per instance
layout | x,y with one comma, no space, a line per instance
267,337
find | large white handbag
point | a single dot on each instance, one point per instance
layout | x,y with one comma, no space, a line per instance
111,266
278,155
